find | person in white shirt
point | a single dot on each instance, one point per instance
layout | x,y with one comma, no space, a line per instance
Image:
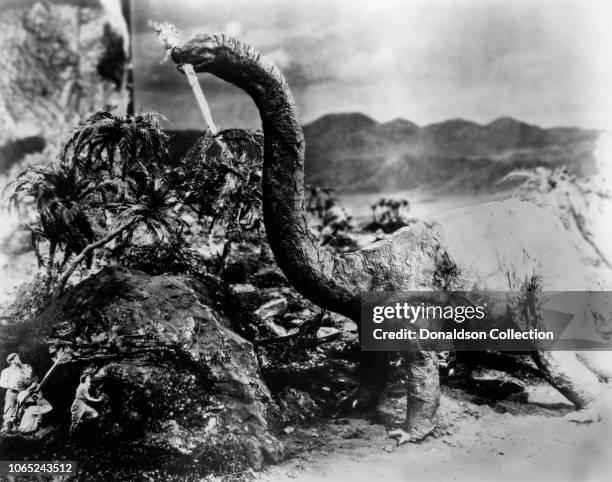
10,379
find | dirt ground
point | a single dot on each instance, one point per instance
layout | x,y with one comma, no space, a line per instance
473,443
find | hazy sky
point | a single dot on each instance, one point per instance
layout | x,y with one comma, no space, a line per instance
547,62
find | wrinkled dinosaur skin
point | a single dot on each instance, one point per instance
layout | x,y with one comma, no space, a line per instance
494,246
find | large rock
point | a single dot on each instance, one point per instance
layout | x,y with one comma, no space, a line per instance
61,60
176,377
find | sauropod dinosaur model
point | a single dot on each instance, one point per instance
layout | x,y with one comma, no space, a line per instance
493,246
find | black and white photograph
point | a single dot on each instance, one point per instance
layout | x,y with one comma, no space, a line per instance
306,240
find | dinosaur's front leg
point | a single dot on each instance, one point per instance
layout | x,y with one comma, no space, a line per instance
423,399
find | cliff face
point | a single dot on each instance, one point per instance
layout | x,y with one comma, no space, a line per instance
61,60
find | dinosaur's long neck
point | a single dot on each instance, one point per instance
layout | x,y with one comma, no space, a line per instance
313,272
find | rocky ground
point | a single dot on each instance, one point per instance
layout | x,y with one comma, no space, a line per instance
501,420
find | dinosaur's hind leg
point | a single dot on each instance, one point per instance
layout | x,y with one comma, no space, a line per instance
423,399
373,376
573,379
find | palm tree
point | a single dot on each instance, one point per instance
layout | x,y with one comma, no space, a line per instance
63,199
118,144
131,148
108,183
152,208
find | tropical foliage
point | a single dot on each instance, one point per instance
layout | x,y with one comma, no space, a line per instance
389,214
108,182
335,223
220,178
118,146
62,197
115,195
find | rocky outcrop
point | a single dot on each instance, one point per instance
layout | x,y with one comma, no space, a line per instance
61,60
174,376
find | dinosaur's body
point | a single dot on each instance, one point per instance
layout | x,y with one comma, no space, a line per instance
495,246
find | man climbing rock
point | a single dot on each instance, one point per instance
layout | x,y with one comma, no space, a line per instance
11,379
80,409
32,405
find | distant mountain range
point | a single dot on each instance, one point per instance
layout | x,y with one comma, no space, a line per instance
355,153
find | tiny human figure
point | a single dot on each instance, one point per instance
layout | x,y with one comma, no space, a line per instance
32,404
80,409
11,379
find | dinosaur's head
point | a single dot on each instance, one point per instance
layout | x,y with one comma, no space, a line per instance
202,52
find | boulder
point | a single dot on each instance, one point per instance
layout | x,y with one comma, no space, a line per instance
174,377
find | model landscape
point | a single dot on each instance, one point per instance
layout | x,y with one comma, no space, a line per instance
219,349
